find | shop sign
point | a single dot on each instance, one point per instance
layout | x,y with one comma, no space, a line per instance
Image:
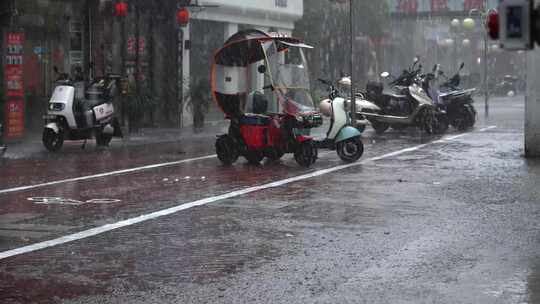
132,45
437,6
13,64
14,85
14,118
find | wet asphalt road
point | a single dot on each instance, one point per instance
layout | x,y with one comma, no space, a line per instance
452,221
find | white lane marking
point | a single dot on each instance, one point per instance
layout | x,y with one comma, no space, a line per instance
451,138
94,176
154,166
45,200
154,215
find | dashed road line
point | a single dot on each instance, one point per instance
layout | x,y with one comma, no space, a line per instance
112,173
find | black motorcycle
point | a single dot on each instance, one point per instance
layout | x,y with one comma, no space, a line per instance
455,101
403,103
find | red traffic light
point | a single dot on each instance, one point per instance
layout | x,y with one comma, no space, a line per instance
182,16
121,9
492,25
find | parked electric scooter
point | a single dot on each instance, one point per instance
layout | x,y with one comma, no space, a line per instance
405,104
74,113
341,136
456,102
509,85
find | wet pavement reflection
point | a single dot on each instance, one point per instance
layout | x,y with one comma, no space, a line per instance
452,222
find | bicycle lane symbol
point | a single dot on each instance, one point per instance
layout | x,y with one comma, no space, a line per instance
47,200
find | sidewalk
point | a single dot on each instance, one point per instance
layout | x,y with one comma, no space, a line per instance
32,143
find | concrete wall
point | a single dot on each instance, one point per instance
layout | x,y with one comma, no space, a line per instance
532,104
280,14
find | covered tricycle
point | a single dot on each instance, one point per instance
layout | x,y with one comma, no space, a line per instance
260,81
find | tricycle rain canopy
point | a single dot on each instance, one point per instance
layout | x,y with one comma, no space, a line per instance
253,65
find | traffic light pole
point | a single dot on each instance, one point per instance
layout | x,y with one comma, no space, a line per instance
353,98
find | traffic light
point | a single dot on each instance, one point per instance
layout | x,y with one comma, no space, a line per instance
516,24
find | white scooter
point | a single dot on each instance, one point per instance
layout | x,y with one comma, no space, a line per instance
74,113
341,136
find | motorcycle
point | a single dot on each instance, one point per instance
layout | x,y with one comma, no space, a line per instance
509,86
74,113
404,104
341,136
261,83
456,102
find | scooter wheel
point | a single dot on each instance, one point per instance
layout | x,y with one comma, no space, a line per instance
350,150
467,118
441,124
429,122
52,141
380,127
103,139
226,150
306,154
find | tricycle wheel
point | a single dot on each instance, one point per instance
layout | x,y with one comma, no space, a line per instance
226,150
254,157
350,150
306,154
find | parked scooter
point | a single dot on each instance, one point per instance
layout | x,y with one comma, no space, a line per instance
341,136
404,104
74,113
456,102
510,85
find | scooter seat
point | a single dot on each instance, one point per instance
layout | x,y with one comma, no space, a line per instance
254,120
394,95
442,95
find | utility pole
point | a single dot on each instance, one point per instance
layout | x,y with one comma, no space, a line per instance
180,73
353,98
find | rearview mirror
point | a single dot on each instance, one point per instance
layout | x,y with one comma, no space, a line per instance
346,81
462,66
435,68
385,75
262,69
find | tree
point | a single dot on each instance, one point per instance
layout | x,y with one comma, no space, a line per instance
326,26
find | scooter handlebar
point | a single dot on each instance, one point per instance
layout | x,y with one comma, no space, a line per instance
324,81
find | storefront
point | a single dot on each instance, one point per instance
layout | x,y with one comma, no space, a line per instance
33,42
144,43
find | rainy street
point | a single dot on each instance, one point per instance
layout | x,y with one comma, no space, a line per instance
269,151
419,219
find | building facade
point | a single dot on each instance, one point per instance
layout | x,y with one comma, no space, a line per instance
162,60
